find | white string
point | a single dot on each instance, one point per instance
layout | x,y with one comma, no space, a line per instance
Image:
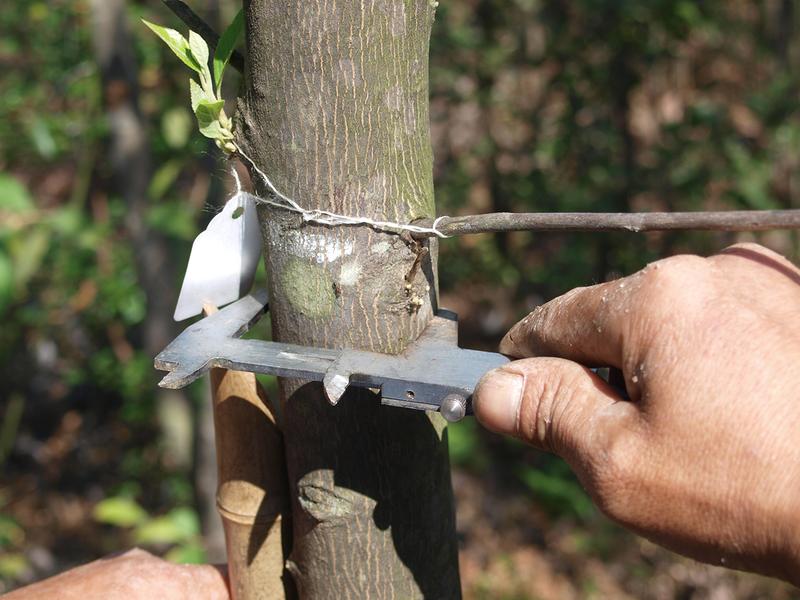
324,217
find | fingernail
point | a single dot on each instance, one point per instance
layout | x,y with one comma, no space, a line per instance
497,400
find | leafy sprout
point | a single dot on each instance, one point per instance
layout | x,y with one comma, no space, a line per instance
207,103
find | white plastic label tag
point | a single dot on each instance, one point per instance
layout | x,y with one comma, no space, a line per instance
224,259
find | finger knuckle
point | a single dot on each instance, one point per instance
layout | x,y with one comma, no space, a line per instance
553,312
137,554
672,274
546,414
536,408
667,282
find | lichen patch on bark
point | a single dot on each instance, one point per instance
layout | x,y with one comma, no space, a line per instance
350,273
380,247
309,289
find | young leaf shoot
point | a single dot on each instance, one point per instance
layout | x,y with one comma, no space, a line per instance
206,96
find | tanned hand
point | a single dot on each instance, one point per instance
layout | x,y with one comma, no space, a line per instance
705,456
134,575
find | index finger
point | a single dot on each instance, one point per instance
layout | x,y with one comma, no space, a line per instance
586,325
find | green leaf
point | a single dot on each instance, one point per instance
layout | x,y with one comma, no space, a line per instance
119,511
185,520
197,94
213,130
172,219
10,532
12,565
176,125
209,109
208,114
164,178
557,492
191,553
14,196
158,531
179,525
6,281
42,137
178,44
27,254
199,50
224,50
464,443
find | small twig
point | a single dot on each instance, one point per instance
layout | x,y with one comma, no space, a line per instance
734,220
199,26
420,252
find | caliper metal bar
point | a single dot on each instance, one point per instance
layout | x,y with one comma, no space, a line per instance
432,374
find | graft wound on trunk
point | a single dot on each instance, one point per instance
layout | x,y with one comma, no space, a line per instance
336,113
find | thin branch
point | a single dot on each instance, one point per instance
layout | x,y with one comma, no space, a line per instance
199,26
735,220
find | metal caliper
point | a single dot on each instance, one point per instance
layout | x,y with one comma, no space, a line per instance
433,373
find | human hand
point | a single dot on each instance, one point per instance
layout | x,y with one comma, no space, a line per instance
135,575
705,458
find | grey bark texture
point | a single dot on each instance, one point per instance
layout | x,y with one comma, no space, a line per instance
336,112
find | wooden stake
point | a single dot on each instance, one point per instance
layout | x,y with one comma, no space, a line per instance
733,220
252,493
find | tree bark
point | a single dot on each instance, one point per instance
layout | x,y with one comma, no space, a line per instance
336,112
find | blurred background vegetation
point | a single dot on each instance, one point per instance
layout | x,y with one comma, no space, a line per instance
597,105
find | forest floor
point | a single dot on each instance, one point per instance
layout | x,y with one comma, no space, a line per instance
511,549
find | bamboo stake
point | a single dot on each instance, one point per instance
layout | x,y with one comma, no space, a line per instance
252,493
733,220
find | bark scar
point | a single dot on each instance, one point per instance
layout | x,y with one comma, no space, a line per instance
415,300
420,252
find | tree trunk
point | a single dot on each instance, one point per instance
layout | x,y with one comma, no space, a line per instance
336,112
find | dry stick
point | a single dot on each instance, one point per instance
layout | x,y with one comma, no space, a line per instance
735,220
253,489
199,26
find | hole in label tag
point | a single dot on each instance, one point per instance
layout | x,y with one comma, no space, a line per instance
410,394
223,260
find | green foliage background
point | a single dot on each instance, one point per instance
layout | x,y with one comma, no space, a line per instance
595,105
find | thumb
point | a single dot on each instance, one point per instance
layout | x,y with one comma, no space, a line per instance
554,404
